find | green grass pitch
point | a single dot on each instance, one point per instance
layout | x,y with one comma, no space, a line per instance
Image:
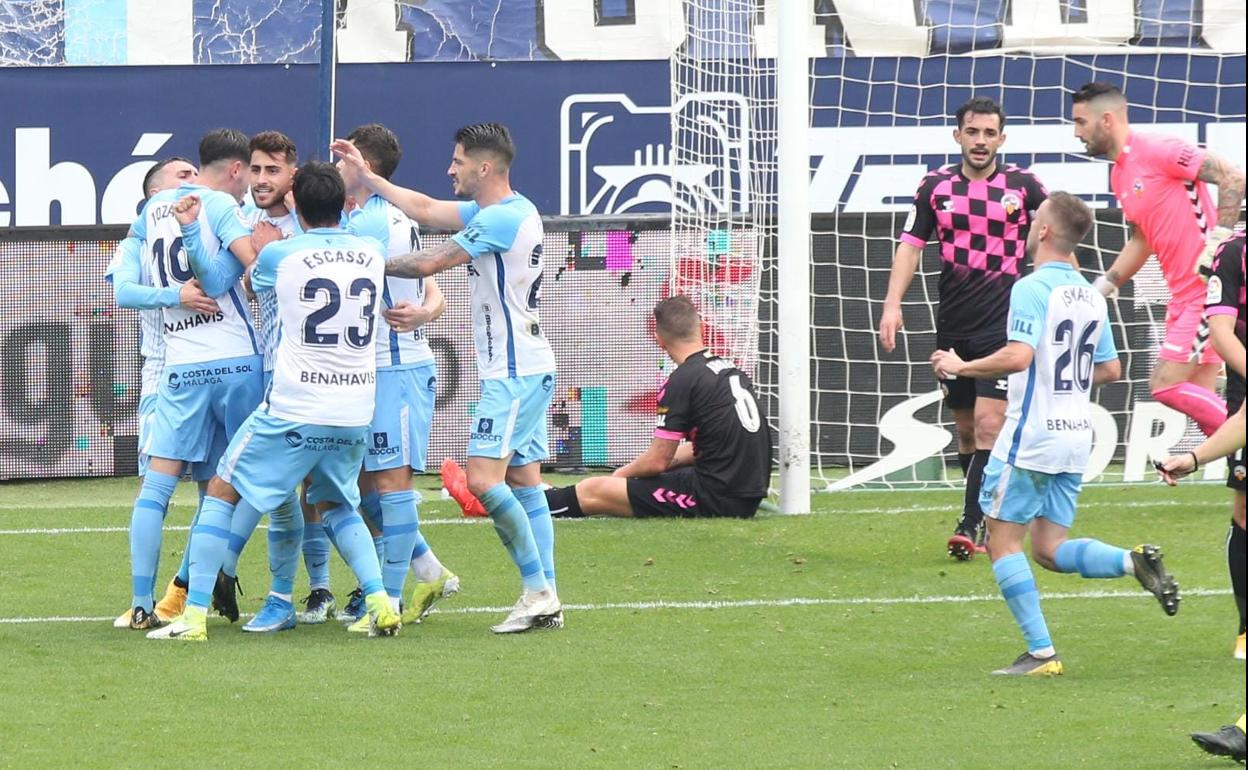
846,639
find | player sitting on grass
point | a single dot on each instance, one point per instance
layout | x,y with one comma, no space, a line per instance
722,470
315,416
1060,346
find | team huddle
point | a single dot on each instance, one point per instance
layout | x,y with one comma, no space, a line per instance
319,415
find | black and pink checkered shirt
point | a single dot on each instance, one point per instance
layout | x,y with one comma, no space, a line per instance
983,226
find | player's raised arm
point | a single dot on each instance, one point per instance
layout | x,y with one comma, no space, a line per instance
1128,262
423,208
426,262
216,274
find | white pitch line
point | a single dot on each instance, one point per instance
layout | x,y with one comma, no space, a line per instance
730,604
894,511
94,530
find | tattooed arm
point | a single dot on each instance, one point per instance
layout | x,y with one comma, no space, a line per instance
426,262
1230,181
1129,261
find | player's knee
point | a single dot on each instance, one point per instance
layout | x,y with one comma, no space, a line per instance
1237,509
1044,556
392,480
480,483
222,490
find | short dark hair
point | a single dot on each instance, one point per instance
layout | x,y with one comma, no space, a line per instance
156,168
274,143
223,144
1096,90
491,137
379,146
981,105
676,318
319,193
1072,220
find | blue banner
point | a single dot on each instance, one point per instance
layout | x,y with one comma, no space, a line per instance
593,137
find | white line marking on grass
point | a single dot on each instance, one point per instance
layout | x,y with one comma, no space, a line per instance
730,604
892,509
94,530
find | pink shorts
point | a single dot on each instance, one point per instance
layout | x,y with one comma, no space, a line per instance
1185,326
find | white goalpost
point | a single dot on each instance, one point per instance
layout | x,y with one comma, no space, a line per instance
832,113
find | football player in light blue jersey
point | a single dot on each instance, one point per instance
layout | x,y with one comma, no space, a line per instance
1059,346
132,288
500,240
406,391
314,418
212,365
272,163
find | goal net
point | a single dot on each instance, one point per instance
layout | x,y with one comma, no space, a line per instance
885,79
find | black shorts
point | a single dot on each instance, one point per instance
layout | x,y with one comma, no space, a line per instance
960,393
1234,399
678,493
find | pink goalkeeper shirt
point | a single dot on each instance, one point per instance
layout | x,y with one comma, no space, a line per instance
1154,180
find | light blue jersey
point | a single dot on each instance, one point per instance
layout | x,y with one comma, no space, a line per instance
505,274
132,288
328,288
398,235
169,253
289,225
1048,421
313,422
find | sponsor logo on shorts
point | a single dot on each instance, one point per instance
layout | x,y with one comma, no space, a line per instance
1003,384
548,382
432,385
208,375
1238,472
381,446
329,443
485,431
294,438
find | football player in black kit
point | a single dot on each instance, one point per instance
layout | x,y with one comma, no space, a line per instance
721,469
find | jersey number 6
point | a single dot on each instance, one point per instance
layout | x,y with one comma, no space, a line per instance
358,289
747,408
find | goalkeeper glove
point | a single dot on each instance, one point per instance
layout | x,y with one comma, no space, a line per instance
1105,286
1204,265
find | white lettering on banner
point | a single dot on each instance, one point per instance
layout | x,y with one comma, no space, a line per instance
615,157
369,34
39,182
871,27
1144,445
658,29
1036,23
915,440
855,166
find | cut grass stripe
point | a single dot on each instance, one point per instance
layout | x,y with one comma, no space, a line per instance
731,604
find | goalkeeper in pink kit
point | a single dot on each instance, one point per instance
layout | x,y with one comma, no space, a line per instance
1160,183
